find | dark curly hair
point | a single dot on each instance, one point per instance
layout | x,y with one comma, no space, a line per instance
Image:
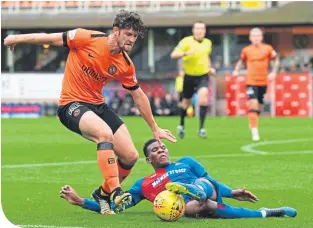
145,147
129,20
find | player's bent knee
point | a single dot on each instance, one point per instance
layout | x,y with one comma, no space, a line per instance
103,136
129,158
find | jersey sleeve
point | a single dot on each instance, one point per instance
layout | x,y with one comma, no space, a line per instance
182,46
129,80
136,192
243,55
76,38
272,53
195,166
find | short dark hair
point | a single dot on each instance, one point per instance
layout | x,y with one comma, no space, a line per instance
129,20
145,147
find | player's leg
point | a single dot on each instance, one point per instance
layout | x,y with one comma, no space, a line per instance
126,152
124,149
81,118
194,191
253,112
188,90
222,210
203,95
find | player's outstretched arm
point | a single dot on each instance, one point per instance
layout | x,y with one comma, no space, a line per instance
34,38
144,107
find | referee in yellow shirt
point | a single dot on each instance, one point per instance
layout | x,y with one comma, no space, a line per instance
195,51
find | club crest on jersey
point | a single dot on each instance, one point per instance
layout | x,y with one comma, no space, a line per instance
112,69
76,112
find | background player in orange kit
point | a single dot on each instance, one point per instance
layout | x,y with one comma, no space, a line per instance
257,57
94,60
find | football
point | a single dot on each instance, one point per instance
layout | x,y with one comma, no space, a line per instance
169,206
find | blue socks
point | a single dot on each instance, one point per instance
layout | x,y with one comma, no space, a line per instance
226,211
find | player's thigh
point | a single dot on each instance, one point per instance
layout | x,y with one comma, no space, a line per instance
124,147
203,89
79,118
252,93
261,94
94,128
188,87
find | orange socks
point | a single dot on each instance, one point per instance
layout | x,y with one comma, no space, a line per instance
123,171
108,166
253,118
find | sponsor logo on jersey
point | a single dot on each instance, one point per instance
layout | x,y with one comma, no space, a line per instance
94,74
171,172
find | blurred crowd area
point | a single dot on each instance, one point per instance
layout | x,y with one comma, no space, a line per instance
287,26
167,105
46,58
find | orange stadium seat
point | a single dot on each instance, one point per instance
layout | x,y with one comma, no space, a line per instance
26,4
167,3
50,4
118,3
71,4
95,3
142,3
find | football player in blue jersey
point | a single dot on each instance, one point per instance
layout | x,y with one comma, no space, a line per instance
203,194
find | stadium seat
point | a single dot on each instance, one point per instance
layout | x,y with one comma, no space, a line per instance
49,4
118,3
95,4
26,4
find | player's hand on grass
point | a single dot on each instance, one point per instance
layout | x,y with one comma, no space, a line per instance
244,195
163,134
10,41
271,76
71,196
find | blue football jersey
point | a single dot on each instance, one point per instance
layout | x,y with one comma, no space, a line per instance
185,170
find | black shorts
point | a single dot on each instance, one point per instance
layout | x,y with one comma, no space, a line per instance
71,113
256,92
193,83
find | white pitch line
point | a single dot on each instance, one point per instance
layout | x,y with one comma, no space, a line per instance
45,226
249,148
142,159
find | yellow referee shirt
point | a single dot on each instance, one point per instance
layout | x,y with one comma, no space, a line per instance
196,64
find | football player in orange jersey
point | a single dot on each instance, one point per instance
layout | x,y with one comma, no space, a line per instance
94,60
257,57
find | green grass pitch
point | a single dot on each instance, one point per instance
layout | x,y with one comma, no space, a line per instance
30,193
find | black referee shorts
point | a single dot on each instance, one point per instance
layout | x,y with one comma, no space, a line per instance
193,83
71,113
